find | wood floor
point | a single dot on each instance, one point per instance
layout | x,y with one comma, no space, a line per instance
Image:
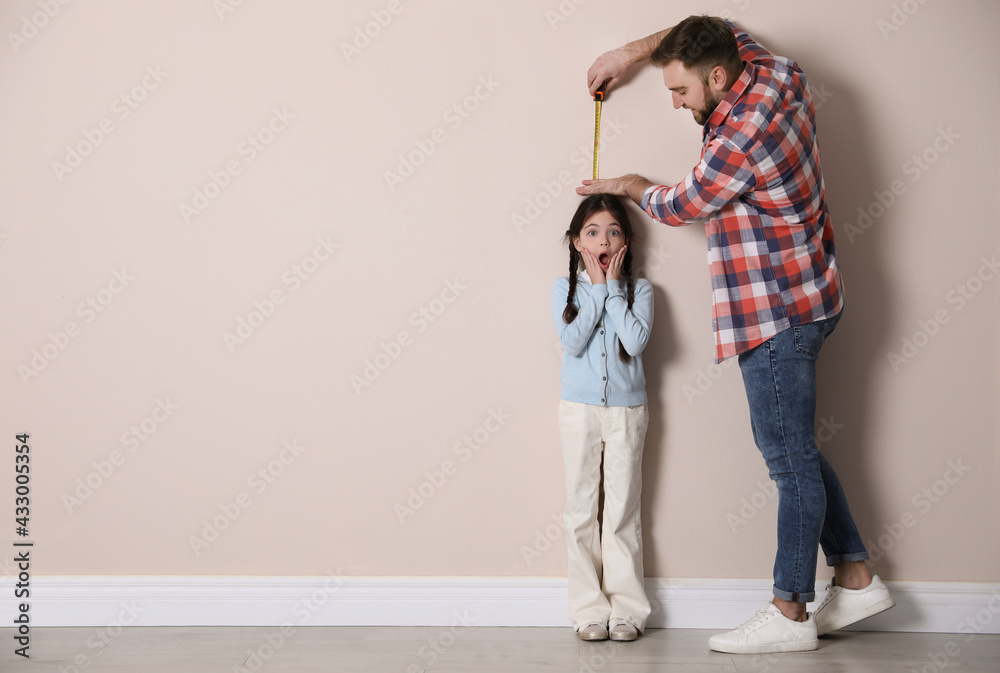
473,650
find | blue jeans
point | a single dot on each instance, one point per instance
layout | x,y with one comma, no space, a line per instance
780,381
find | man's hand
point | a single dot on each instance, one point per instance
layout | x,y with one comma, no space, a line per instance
609,68
630,185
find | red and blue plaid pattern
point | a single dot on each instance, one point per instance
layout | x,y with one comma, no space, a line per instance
759,184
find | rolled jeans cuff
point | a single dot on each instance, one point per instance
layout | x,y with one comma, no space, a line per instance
834,559
807,597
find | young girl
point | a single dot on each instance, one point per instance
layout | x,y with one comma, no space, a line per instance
603,316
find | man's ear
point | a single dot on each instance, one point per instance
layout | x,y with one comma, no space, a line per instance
718,78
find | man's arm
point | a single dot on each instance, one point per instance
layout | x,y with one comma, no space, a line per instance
631,185
750,49
722,176
611,66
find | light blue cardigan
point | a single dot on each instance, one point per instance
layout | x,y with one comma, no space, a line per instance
592,371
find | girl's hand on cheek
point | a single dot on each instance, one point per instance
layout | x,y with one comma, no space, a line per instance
615,266
593,267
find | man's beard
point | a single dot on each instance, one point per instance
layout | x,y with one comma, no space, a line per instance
712,100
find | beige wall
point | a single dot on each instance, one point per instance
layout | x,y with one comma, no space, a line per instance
446,240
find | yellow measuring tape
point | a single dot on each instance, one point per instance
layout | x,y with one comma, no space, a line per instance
598,97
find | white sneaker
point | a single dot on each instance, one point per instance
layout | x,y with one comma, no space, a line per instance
842,607
767,631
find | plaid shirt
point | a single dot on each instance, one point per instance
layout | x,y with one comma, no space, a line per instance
759,184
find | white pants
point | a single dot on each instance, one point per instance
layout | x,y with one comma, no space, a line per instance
605,557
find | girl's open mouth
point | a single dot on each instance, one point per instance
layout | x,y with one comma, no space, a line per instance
604,259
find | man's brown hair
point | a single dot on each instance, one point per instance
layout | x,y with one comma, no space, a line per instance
700,43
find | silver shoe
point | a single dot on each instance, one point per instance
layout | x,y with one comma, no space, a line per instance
593,631
623,631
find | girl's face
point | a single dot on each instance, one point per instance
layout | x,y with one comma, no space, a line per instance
602,236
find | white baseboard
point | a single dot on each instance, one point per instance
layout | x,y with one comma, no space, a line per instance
113,602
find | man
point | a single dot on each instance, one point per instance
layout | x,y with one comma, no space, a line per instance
776,295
